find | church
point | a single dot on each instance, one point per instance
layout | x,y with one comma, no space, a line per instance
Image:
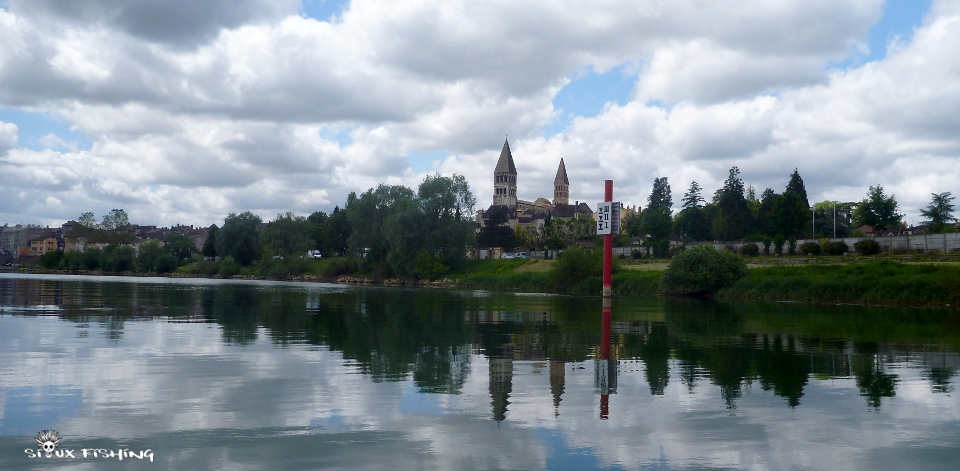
531,214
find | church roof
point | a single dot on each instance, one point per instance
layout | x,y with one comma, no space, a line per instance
561,175
505,164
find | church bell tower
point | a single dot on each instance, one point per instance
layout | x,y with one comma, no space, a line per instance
561,186
505,179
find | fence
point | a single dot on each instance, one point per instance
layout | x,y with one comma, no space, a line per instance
932,243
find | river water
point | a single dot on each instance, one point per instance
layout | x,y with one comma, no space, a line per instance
220,374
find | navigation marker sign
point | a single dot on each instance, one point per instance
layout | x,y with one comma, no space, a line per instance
608,218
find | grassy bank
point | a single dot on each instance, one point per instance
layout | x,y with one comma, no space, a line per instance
868,281
880,282
538,276
875,282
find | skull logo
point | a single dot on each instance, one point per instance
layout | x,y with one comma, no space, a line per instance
48,441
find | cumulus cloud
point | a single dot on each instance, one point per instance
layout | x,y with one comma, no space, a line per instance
194,111
8,136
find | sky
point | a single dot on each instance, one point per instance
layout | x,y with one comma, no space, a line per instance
181,112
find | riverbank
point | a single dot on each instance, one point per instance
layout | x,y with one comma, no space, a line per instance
918,282
869,281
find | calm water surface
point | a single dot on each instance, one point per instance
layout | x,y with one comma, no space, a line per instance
258,375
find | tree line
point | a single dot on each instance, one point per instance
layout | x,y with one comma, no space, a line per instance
387,231
736,213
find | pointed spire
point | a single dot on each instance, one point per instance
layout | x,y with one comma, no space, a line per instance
505,164
561,175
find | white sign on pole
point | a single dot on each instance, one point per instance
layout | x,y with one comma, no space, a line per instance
608,218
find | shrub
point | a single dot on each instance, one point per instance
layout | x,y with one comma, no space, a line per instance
118,258
702,270
89,261
636,254
750,250
575,265
165,263
659,248
867,247
766,245
778,244
835,248
429,266
67,259
792,244
206,268
810,248
341,266
51,259
229,267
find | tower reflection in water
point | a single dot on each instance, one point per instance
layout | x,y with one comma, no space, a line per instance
605,367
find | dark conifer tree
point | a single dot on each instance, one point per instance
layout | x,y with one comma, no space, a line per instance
733,207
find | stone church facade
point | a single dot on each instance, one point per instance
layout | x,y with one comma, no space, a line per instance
530,214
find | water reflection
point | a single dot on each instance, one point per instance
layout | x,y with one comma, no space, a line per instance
392,334
258,355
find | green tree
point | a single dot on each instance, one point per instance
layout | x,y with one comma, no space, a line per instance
115,219
702,270
240,237
447,207
165,263
368,213
733,208
691,222
51,259
118,258
288,235
878,210
658,215
335,232
317,220
939,212
87,219
179,245
833,217
767,222
210,244
793,208
496,232
796,185
793,218
661,198
147,256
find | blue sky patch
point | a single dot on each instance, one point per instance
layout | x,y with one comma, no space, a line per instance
587,94
32,128
340,134
423,161
900,17
323,9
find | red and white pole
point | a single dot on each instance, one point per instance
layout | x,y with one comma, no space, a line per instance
608,247
607,308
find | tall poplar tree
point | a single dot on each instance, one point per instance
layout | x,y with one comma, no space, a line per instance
692,222
658,215
793,211
733,208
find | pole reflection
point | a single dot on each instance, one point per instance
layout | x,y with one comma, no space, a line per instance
605,368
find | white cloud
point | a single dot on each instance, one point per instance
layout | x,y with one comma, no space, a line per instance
8,136
245,105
